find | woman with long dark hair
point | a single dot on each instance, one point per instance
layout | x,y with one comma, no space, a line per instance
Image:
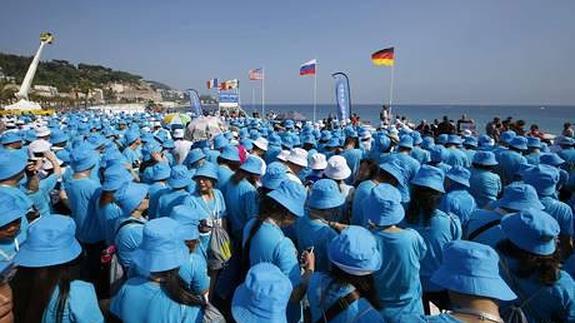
46,287
264,240
162,295
436,228
532,267
347,292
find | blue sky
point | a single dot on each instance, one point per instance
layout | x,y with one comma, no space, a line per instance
452,51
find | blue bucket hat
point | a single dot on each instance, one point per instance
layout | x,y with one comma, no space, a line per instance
12,209
194,156
472,268
274,140
470,141
485,158
442,139
383,142
276,173
438,154
533,142
160,171
162,246
395,169
431,177
130,137
230,153
51,241
130,195
180,177
551,159
12,163
10,137
428,143
454,139
544,179
188,217
459,174
83,158
115,177
325,194
519,142
247,143
264,295
485,141
355,251
58,137
383,205
507,136
97,140
333,143
417,140
168,144
208,170
406,141
532,230
252,165
519,197
290,195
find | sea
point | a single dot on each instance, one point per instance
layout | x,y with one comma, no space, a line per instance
550,119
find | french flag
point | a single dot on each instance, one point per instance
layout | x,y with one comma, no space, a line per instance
308,68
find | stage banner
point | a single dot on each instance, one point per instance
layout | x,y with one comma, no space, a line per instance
195,102
342,96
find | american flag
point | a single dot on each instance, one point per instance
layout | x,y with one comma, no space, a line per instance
257,74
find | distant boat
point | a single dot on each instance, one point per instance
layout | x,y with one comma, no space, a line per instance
541,108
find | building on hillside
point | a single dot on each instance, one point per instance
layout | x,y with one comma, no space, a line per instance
45,91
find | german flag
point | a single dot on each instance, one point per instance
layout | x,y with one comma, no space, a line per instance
383,57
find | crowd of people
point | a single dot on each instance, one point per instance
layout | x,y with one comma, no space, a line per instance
125,218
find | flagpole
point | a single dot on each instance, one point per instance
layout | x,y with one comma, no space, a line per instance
253,97
391,89
315,90
263,92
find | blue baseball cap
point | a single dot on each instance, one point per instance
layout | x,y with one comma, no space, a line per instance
194,156
208,170
459,174
161,171
12,209
485,158
264,295
532,230
180,177
188,217
51,241
276,173
543,178
230,153
472,268
252,165
519,142
519,197
115,177
383,205
162,246
10,137
83,158
290,195
355,251
130,195
431,177
12,162
325,194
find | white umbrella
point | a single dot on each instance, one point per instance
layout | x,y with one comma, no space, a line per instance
204,128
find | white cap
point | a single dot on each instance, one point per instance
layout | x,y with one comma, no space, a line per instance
261,143
42,132
337,168
298,156
178,133
283,155
39,146
318,162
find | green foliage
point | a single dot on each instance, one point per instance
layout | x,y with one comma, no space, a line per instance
63,75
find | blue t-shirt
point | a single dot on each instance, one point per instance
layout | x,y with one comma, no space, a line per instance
81,305
560,212
142,301
442,229
128,238
195,274
491,236
323,292
242,205
168,200
224,175
317,234
361,192
460,203
397,283
80,192
509,165
41,198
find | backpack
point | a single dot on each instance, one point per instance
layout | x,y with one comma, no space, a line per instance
219,249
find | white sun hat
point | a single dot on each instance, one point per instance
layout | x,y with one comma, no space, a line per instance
39,146
42,132
283,155
337,168
298,156
178,134
318,162
261,143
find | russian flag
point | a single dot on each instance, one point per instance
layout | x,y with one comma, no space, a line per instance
308,68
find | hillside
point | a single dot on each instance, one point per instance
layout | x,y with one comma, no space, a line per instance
63,75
